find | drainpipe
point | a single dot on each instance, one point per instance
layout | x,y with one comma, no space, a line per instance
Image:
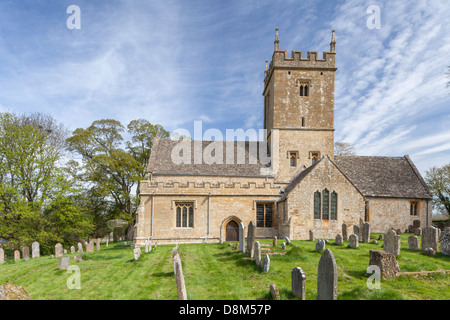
209,210
153,200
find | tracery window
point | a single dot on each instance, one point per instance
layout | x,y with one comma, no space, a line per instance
184,214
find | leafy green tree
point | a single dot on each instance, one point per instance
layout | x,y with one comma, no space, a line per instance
438,180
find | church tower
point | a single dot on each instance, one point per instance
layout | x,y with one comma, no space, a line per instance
299,108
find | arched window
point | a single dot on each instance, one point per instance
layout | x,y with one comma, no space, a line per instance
306,91
184,215
325,204
301,91
333,206
293,159
317,205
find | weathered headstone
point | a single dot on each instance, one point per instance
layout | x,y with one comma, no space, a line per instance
65,251
386,262
283,246
430,238
392,242
80,247
97,244
137,253
26,253
418,232
35,250
90,246
179,276
274,241
327,277
274,292
429,252
288,241
16,255
413,243
298,279
251,236
63,263
311,235
344,232
58,250
320,245
338,239
266,263
356,231
241,237
9,291
72,249
2,256
445,242
257,253
147,246
353,241
366,233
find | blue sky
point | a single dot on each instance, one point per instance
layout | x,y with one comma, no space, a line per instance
174,62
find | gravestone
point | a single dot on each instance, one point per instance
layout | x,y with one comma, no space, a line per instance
288,241
311,235
356,231
430,238
413,243
298,279
179,279
26,253
327,277
344,232
80,247
283,246
107,242
418,232
97,244
35,250
9,291
429,252
353,241
266,263
72,249
58,250
257,252
63,263
79,258
241,237
65,251
385,261
16,255
320,245
445,242
274,292
338,239
251,236
146,246
137,253
90,246
366,233
392,242
2,256
274,241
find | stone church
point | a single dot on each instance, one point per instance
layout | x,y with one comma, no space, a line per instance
304,187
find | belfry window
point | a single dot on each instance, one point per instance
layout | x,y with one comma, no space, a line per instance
304,90
293,159
184,215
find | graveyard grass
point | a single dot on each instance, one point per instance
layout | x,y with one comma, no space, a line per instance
221,272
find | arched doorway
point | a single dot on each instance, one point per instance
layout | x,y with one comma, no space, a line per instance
232,231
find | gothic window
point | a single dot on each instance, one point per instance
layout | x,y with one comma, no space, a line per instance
317,205
293,159
304,90
314,157
413,208
184,215
333,206
264,215
325,204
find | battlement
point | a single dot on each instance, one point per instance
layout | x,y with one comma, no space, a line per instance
207,187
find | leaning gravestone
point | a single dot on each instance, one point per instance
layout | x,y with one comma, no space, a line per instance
274,292
344,232
320,245
35,250
445,243
288,241
16,255
413,243
179,278
266,263
2,256
241,237
430,238
63,263
26,253
366,233
58,250
283,246
338,239
251,236
392,242
386,262
257,253
353,241
298,279
327,277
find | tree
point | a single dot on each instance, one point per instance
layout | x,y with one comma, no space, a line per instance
438,180
343,148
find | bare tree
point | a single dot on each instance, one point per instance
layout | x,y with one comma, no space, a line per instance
343,148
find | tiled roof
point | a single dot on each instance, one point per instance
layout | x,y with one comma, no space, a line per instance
161,163
384,176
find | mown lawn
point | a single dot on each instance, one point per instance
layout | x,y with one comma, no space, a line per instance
220,272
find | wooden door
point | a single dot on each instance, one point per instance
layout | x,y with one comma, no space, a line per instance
232,231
